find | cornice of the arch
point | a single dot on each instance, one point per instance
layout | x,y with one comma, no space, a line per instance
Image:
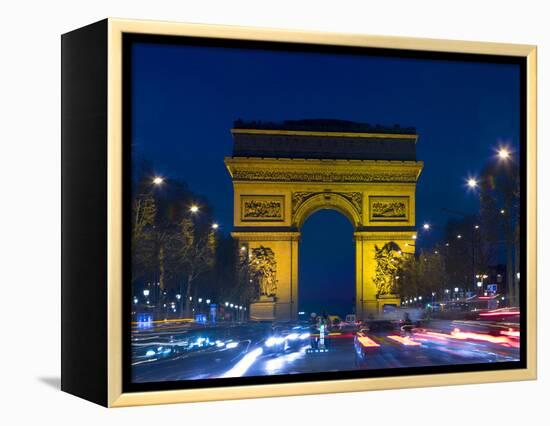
246,169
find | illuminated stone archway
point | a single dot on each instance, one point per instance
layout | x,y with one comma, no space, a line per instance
284,173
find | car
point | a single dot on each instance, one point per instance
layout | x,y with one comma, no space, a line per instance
283,339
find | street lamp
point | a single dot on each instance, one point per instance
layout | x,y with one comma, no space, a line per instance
158,180
426,226
194,208
146,292
472,183
215,226
503,154
208,301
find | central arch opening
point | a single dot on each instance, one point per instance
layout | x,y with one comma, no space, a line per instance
326,265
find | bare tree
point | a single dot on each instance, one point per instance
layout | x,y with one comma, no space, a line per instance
195,253
500,206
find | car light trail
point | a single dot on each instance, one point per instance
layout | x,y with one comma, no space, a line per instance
273,365
274,341
244,364
457,334
461,335
407,341
499,314
367,342
510,333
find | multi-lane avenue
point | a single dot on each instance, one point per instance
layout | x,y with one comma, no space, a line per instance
181,351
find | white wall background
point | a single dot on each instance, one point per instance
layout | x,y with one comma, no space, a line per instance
30,210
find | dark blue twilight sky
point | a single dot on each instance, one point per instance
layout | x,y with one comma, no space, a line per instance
185,100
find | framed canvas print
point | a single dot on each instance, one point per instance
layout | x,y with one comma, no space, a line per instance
251,212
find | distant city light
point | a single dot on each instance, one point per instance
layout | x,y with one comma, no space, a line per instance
459,236
502,211
208,301
215,226
146,292
194,208
414,237
426,226
158,180
476,227
456,289
243,248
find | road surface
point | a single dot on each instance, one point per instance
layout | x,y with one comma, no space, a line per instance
174,351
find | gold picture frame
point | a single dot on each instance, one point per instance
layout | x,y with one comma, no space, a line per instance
116,29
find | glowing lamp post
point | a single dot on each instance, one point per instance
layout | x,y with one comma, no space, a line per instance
472,183
503,154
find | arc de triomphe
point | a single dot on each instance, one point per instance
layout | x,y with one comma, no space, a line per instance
282,173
